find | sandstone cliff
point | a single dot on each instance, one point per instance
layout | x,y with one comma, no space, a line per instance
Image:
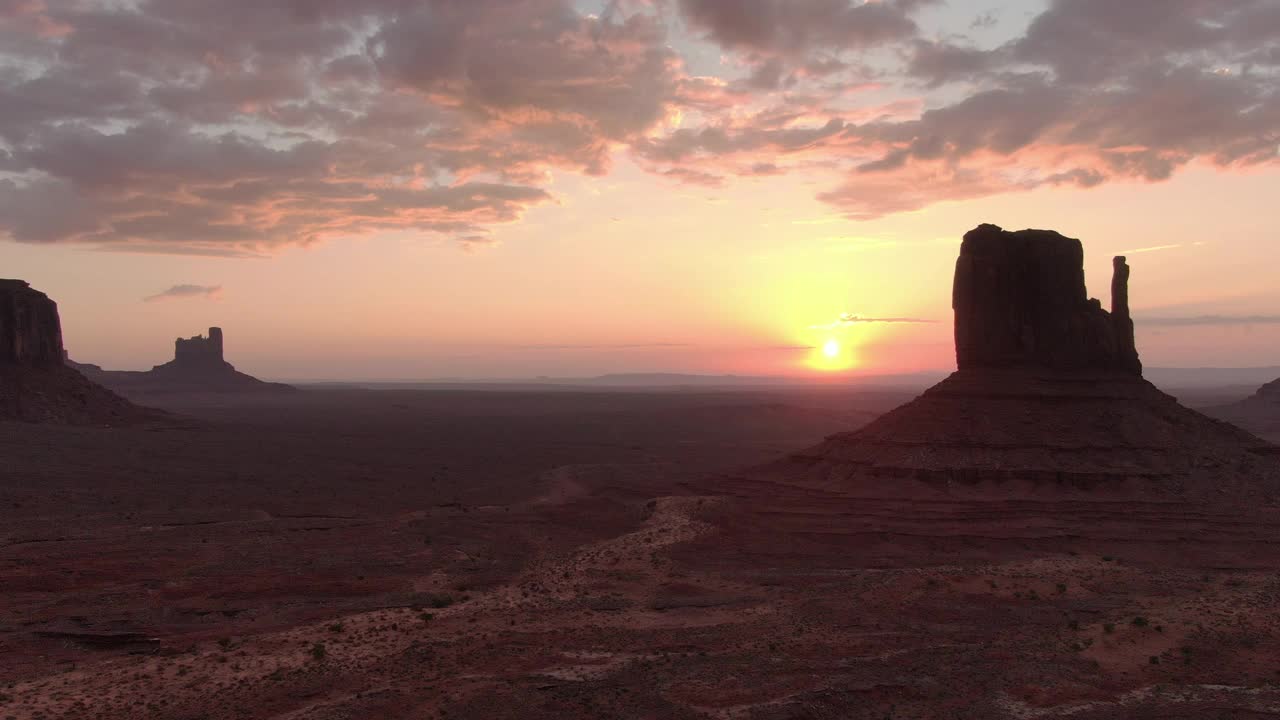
30,331
35,383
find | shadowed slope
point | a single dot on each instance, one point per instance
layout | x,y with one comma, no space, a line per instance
1259,412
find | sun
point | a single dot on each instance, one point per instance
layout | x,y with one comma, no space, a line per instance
831,348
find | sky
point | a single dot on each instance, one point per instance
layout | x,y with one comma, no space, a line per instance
414,189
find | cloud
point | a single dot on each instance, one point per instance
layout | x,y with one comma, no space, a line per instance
178,292
847,319
799,26
1202,320
163,124
1094,91
238,127
1152,248
603,346
783,39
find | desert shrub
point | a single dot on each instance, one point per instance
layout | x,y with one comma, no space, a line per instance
318,651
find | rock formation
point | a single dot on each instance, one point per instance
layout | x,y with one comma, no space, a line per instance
1020,301
1046,437
199,351
1259,413
198,355
35,383
197,366
30,332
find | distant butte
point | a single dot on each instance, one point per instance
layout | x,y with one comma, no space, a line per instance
197,366
1046,437
36,385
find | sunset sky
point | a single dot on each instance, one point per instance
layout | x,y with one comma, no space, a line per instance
406,189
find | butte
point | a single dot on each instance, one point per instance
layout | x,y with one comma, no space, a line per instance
1045,440
198,366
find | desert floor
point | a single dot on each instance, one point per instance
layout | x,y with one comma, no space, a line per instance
469,554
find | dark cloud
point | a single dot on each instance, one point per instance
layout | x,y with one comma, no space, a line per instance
785,40
235,127
186,291
796,27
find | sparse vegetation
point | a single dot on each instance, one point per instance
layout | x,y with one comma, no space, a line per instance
337,627
1108,628
318,651
1140,621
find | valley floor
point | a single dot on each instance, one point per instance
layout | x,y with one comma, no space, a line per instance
452,554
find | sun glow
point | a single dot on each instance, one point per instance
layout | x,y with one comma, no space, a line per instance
832,355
